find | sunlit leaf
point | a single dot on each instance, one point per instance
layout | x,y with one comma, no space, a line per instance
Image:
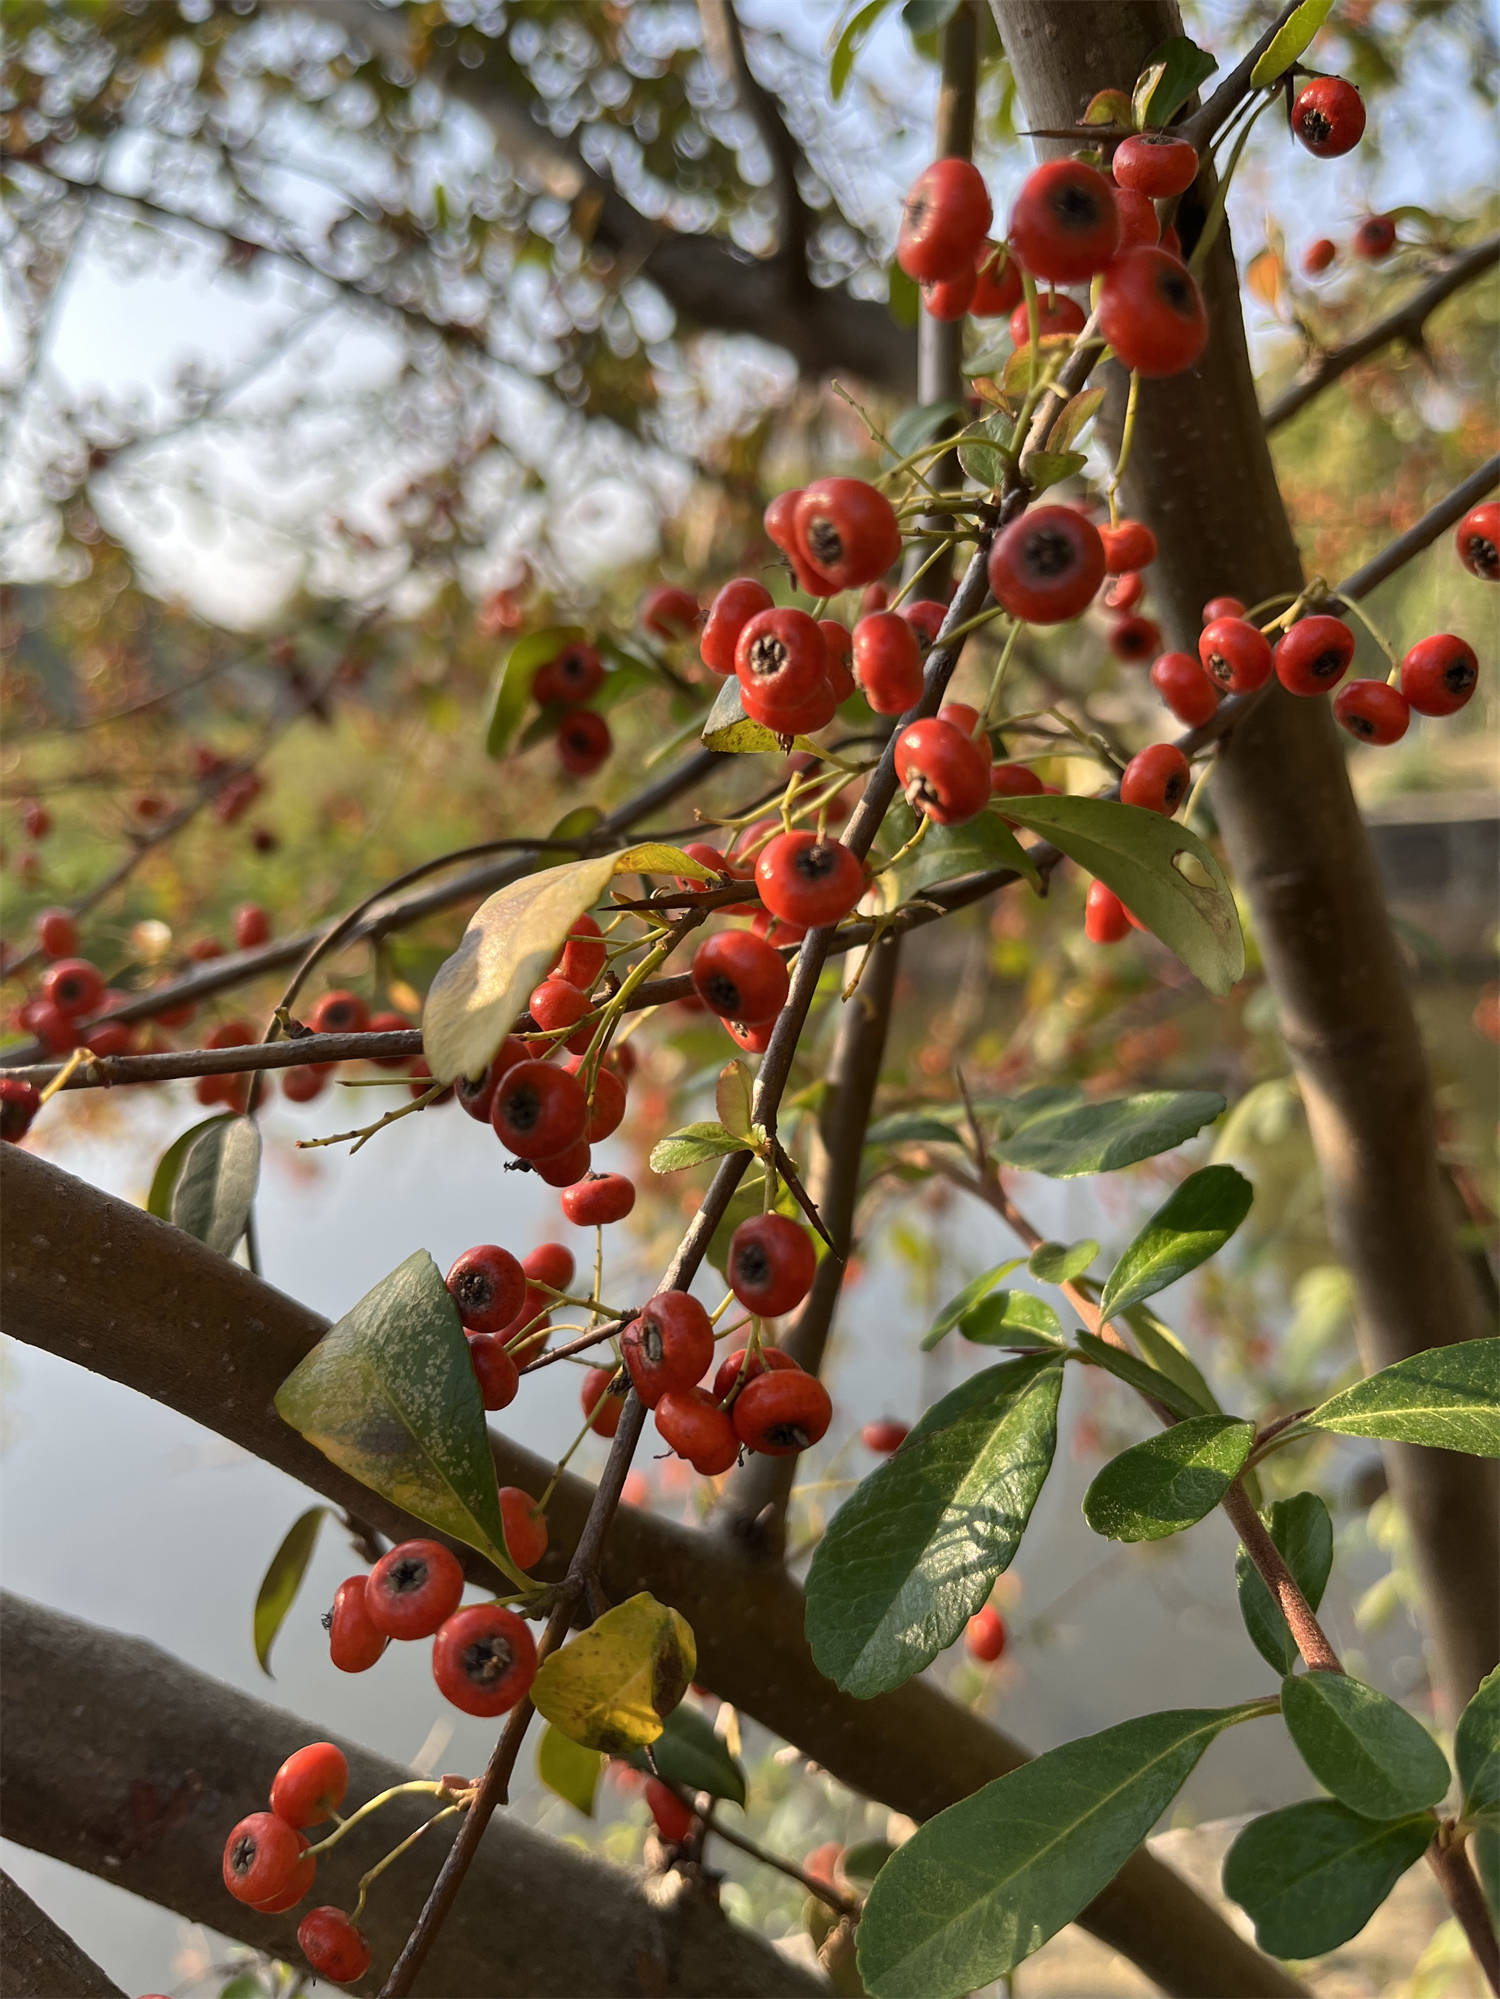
692,1145
611,1687
1074,1138
568,1769
1375,1757
1168,78
1292,39
1311,1875
1140,1375
1191,1226
1446,1397
1169,1482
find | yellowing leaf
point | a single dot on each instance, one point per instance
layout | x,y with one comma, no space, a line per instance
1263,275
654,857
611,1687
569,1769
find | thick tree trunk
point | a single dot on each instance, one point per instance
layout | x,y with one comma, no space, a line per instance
40,1961
1201,476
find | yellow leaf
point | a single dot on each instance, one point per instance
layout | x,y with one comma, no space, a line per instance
653,857
610,1688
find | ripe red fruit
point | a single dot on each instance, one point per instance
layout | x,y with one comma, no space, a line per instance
728,614
252,926
1057,315
1439,674
1328,116
57,933
525,1527
552,1264
1313,655
1134,640
1156,778
669,1345
1372,711
412,1588
354,1642
36,820
1104,918
1185,687
668,612
1129,545
1478,541
885,1436
334,1948
1156,163
73,986
1235,655
1318,256
925,617
1014,781
888,662
961,715
1139,222
607,1105
556,1005
571,675
1125,591
673,1819
781,526
488,1286
598,1200
1151,312
261,1856
307,1081
1375,238
944,220
494,1370
779,1414
771,1264
740,976
847,530
1064,226
984,1635
309,1787
691,1423
792,718
338,1012
838,648
805,880
476,1094
944,773
19,1104
742,1366
583,742
603,1398
565,1168
299,1885
1046,566
1222,607
539,1110
780,657
997,285
205,950
950,298
56,1030
583,956
484,1659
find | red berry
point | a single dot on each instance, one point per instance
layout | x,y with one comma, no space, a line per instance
847,530
838,647
1139,222
205,950
944,220
334,1948
1375,238
1057,316
805,880
780,657
73,986
1185,687
539,1110
488,1286
1235,655
556,1005
1478,541
792,718
412,1588
984,1635
603,1398
673,1819
299,1885
1313,655
696,1428
945,774
754,1040
525,1527
740,977
1151,312
339,1012
668,612
476,1094
780,521
494,1370
571,675
742,1366
309,1787
1130,545
1046,566
1156,778
926,618
997,287
1134,640
1157,163
1372,711
252,926
583,742
552,1264
1125,591
607,1105
1328,116
1014,781
885,1436
261,1857
1439,674
484,1659
36,820
1104,917
1318,256
1222,607
584,955
565,1168
669,1345
307,1081
597,1201
57,933
961,715
779,1414
19,1104
771,1264
1064,226
950,298
888,662
731,610
56,1030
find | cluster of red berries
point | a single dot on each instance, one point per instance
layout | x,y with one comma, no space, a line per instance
337,1011
562,687
1374,239
505,1305
270,1864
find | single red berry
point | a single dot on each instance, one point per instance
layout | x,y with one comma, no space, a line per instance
1151,312
740,976
1130,545
1478,541
1372,711
565,1168
1235,655
338,1012
1318,256
204,950
555,1005
1439,674
57,933
668,612
1222,607
888,1435
743,1365
731,610
1156,778
1185,687
36,820
692,1424
669,1345
1014,781
1313,655
583,956
476,1094
1057,317
1375,238
888,662
926,618
771,1264
56,1030
19,1104
1328,116
299,1885
997,290
73,986
525,1527
598,1200
252,926
488,1285
149,807
1157,163
780,657
309,1787
1104,917
803,879
780,521
1139,222
674,1821
944,773
412,1588
1135,640
961,715
1064,226
1046,566
552,1264
307,1081
847,530
1124,592
334,1948
874,597
260,1857
583,742
539,1110
572,675
607,1105
494,1370
754,1040
779,1414
838,648
791,718
484,1659
984,1635
944,220
950,298
603,1398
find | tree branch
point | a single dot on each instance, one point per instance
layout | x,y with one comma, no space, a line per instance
1201,127
1448,512
725,42
41,1960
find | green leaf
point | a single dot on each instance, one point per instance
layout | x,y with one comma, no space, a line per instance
1012,1319
614,1684
1311,1875
919,425
1476,1751
1169,1482
282,1580
864,1860
913,1128
1076,1138
1139,1374
692,1145
1074,418
947,853
215,1186
1448,1397
1061,1262
732,1098
730,729
169,1166
985,452
1185,1231
914,1553
1303,1532
689,1753
1016,376
986,1882
903,300
568,1769
1050,468
1375,1757
958,1307
1291,40
922,18
518,669
390,1396
847,47
1165,1351
1170,75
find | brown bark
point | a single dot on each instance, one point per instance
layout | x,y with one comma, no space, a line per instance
1201,476
113,1289
40,1961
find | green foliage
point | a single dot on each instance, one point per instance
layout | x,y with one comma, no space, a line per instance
1140,1375
1291,40
692,1145
1061,1262
1073,1138
1167,1483
1201,1216
569,1769
1311,1876
1170,75
214,1189
963,1303
613,1686
1303,1533
282,1580
688,1753
169,1166
948,853
1011,1319
1374,1757
1476,1751
1447,1397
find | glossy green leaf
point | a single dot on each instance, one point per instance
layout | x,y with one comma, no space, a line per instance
1140,1375
389,1394
1011,1319
1052,348
847,47
1168,78
1476,1751
1311,1876
519,668
920,425
1170,1481
612,1686
169,1166
1159,870
1375,1757
981,1886
1448,1397
913,1128
1050,468
1076,1138
1200,1217
1292,39
692,1145
1061,1262
948,853
215,1186
1303,1532
963,1302
689,1753
985,452
282,1580
913,1554
1161,1346
569,1769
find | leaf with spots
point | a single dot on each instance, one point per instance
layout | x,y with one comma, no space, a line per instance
614,1685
